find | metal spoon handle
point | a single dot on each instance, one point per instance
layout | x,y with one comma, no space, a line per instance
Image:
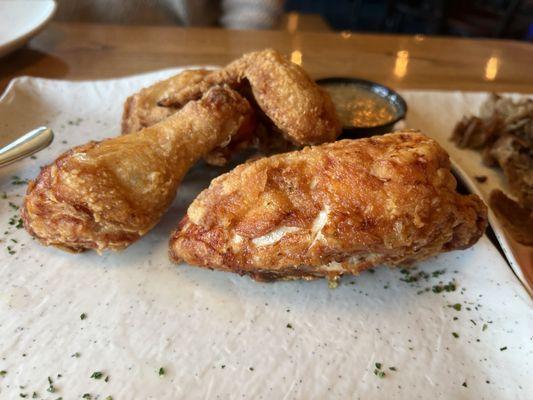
26,145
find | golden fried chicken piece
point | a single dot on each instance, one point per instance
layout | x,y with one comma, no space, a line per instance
106,195
294,104
332,209
141,109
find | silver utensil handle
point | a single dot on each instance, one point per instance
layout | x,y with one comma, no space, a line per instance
26,145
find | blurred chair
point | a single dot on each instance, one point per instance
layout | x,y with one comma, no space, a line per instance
485,18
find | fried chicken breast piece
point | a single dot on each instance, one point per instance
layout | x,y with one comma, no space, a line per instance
291,101
106,195
329,210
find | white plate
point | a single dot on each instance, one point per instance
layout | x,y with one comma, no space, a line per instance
22,19
218,335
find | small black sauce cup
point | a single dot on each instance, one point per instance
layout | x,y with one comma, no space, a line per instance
396,101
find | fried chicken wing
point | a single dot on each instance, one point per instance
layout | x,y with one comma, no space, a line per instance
141,109
293,103
106,195
331,209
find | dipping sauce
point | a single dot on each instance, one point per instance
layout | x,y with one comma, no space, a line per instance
359,107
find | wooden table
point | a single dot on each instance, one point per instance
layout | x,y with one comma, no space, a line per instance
91,51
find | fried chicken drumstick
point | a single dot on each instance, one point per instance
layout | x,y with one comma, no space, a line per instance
106,195
329,210
281,92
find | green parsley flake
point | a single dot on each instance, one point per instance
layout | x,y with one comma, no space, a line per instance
437,273
464,384
455,335
76,355
34,395
15,180
484,328
83,316
51,389
289,326
503,348
456,307
3,372
378,365
23,395
449,287
86,396
161,371
379,374
97,375
392,368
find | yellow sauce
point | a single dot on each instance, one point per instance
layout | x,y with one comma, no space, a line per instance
359,107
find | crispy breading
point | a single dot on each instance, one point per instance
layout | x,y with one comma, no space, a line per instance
141,109
106,195
332,209
293,103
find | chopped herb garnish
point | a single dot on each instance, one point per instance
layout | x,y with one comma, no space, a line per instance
222,366
455,335
449,287
23,395
10,250
76,355
3,372
484,328
251,368
464,384
86,396
456,307
435,274
106,379
455,318
13,206
378,365
20,223
51,389
34,395
289,326
83,316
392,368
161,371
379,374
15,180
96,375
50,380
414,278
503,348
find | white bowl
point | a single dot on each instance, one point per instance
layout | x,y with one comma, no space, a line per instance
22,19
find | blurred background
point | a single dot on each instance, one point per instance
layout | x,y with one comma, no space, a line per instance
511,19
